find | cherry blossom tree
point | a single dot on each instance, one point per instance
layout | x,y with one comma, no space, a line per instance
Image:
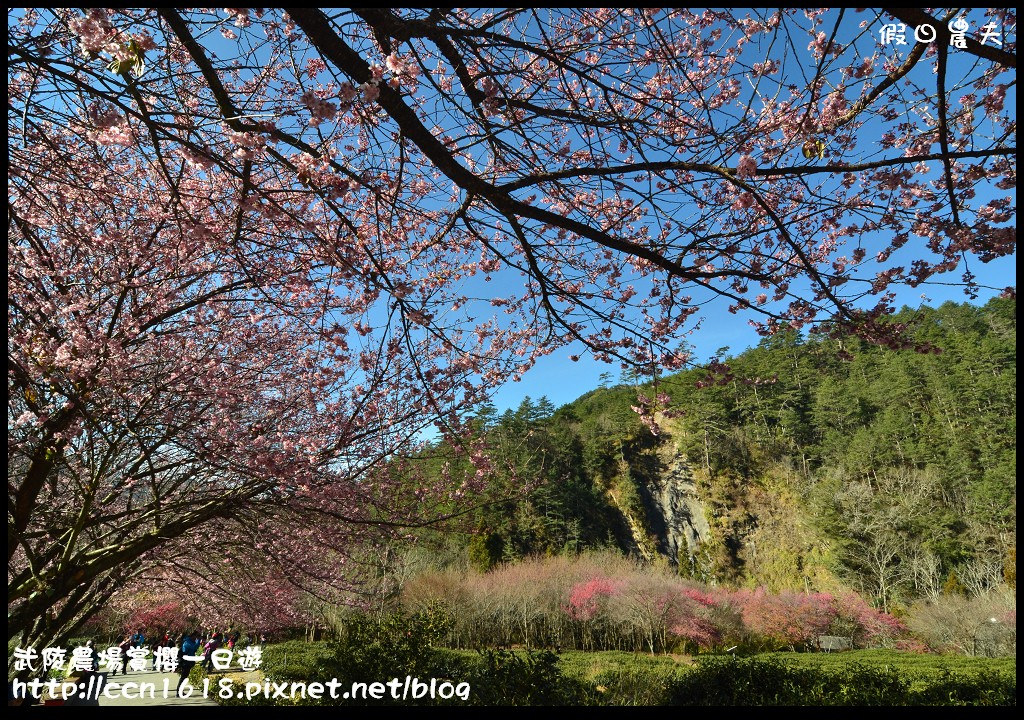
788,618
177,372
254,253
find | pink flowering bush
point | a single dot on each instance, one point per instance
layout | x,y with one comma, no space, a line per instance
587,599
695,620
602,601
786,619
871,626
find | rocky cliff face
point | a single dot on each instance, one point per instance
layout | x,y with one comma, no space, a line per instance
675,512
674,523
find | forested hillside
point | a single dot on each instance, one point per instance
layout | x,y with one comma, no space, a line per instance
810,463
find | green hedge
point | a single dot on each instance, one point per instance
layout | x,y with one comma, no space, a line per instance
376,650
396,646
767,681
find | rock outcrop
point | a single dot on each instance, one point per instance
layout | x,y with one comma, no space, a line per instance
676,512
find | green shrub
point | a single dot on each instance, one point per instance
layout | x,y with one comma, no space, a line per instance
501,677
376,650
987,687
767,681
371,649
859,684
298,660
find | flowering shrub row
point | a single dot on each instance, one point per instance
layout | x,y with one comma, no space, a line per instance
605,602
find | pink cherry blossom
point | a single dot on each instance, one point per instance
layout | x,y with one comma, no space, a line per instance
746,167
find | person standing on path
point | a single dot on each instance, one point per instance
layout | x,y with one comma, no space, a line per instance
189,648
208,649
124,646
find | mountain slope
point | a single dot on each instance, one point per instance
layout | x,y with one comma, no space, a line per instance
811,463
